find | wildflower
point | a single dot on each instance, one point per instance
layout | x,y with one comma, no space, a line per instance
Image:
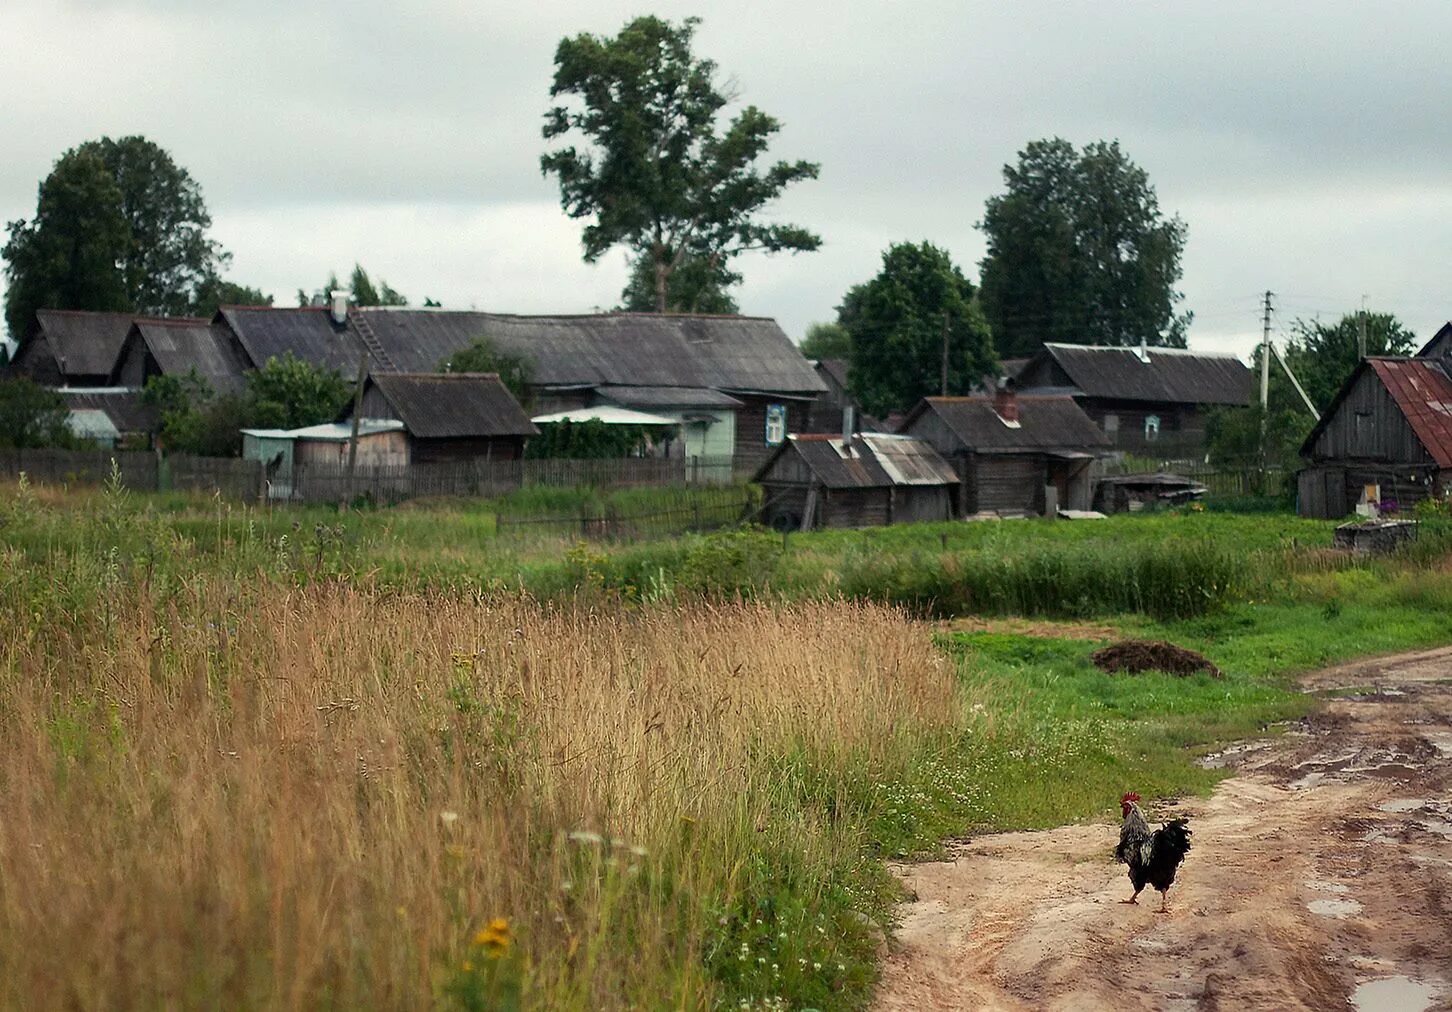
841,968
494,938
585,836
468,967
817,966
448,818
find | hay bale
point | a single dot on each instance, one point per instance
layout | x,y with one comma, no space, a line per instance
1134,656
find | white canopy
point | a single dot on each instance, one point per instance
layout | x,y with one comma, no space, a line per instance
607,413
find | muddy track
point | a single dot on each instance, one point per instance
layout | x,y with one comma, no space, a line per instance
1323,866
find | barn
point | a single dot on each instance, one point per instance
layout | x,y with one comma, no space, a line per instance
1014,454
869,480
1386,436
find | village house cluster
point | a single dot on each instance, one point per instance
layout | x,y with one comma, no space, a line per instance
739,400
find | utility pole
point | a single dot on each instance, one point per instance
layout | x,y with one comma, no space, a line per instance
1361,330
357,411
943,376
1265,354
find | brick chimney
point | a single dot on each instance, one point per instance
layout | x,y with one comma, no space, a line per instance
1005,400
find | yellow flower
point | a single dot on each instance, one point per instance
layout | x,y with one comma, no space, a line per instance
494,938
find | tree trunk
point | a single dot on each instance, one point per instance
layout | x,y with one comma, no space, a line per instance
662,277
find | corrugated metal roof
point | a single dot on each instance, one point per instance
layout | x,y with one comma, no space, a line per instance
607,413
122,405
330,432
609,349
1166,375
668,397
909,461
89,344
93,424
1424,394
454,405
308,332
872,461
181,346
1044,423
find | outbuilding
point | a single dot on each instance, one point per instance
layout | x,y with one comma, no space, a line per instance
867,480
1014,454
450,416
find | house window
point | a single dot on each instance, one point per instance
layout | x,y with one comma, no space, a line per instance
776,424
1362,430
1111,425
1151,428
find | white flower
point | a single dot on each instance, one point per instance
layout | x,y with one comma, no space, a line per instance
585,836
448,818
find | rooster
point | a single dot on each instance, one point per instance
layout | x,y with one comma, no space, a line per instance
1152,855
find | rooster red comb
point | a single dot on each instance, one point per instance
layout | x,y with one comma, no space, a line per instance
1131,796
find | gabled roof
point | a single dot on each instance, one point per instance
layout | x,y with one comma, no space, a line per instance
873,460
1422,391
308,332
85,343
179,346
1166,375
454,405
730,353
1052,422
1440,346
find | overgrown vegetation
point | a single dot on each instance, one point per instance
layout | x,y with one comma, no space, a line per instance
310,758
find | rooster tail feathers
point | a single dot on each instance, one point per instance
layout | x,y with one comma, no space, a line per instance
1173,840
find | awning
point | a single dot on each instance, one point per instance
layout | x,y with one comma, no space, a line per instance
607,413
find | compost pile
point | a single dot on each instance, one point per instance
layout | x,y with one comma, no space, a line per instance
1134,656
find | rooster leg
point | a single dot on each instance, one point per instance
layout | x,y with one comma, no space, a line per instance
1135,897
1164,902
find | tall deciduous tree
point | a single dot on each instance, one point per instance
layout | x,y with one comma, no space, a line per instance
827,340
69,255
216,293
896,323
1079,251
656,175
1323,355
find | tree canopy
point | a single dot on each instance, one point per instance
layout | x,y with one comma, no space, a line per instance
120,227
32,415
288,393
896,322
364,291
1324,355
515,372
1079,251
68,256
655,174
217,293
826,340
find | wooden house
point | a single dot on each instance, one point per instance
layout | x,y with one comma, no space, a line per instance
1148,401
74,348
1387,435
450,416
180,348
867,480
1014,454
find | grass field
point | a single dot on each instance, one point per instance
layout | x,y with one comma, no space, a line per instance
391,760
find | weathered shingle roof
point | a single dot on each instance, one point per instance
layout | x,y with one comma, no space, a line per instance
181,346
454,405
668,397
85,343
308,332
874,461
1171,375
731,353
121,404
1044,423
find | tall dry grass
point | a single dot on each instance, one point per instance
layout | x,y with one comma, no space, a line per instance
226,795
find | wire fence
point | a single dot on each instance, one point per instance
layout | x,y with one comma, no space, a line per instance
663,513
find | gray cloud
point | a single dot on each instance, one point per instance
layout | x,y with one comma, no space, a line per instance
1305,146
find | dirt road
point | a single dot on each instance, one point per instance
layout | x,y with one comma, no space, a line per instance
1323,866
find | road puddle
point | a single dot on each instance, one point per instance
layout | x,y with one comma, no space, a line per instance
1394,994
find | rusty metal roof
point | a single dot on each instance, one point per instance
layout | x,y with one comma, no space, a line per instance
1424,393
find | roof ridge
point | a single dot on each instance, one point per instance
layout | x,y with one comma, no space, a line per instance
1158,349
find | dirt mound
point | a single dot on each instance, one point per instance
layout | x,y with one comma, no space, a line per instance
1134,656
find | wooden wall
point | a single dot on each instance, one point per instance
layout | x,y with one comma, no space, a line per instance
429,451
1008,483
751,449
1369,426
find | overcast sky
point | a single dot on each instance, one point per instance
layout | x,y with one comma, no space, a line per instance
1308,147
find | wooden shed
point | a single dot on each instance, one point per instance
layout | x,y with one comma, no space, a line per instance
1386,437
1014,454
870,480
450,416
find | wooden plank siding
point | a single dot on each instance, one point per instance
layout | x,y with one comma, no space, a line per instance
1009,483
1369,426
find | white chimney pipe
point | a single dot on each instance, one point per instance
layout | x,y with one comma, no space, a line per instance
847,428
338,307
